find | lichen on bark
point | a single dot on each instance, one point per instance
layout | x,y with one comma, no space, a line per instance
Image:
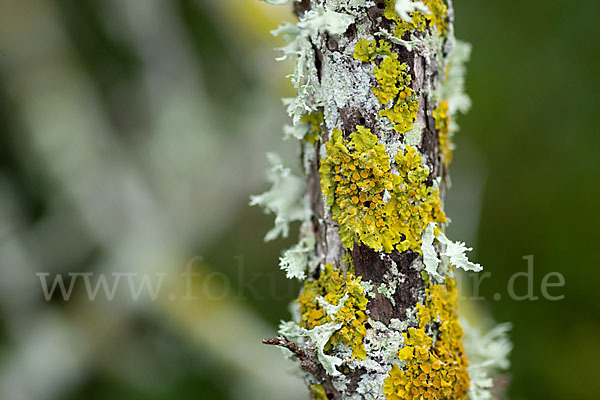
378,86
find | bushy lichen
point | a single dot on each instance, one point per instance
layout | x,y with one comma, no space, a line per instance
381,209
334,297
454,252
286,198
299,48
320,19
452,98
433,369
300,257
452,87
319,336
488,357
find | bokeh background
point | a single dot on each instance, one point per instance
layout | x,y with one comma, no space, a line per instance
133,131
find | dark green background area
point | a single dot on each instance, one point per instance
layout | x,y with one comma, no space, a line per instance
534,80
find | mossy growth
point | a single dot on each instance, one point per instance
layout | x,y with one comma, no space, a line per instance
442,124
393,84
370,204
317,392
432,370
320,303
437,16
315,120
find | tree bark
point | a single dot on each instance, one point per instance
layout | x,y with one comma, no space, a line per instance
376,96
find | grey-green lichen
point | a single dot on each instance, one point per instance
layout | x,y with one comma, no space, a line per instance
392,278
300,258
488,354
406,8
388,291
325,20
286,199
320,336
452,87
277,2
450,98
369,289
305,77
454,252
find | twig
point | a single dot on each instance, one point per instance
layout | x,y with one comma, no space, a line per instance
282,341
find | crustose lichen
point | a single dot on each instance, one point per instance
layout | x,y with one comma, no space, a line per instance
372,205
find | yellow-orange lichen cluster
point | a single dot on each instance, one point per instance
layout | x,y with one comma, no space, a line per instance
315,121
317,392
442,124
433,369
333,287
393,84
437,17
372,205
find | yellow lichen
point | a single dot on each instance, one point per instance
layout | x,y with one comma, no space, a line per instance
317,392
370,204
417,203
438,16
433,370
418,20
315,120
333,287
393,83
442,124
391,78
366,51
404,111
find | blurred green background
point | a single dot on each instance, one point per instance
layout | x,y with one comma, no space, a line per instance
133,131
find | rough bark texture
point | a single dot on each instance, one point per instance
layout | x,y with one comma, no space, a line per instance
375,313
369,264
